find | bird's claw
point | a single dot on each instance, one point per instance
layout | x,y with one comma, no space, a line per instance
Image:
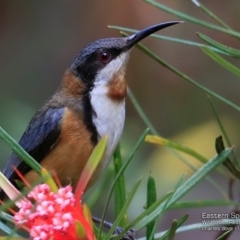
129,235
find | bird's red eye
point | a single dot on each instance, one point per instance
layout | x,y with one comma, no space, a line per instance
104,56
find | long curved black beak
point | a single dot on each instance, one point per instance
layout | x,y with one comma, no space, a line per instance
137,37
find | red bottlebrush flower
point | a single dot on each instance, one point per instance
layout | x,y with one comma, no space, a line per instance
57,216
49,212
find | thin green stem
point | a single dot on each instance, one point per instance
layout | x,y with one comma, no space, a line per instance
192,19
20,151
210,14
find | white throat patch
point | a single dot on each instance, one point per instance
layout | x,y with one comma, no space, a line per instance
109,119
110,115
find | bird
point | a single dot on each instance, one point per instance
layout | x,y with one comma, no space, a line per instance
88,104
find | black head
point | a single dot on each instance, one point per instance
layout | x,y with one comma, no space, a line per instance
96,56
99,54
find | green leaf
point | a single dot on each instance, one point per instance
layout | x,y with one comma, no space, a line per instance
146,213
186,187
210,14
171,39
80,230
221,61
120,189
91,165
20,151
94,196
231,51
11,231
140,111
203,203
49,180
7,217
172,231
151,199
192,19
220,124
223,130
165,199
11,203
138,144
224,235
184,76
123,210
8,187
154,131
180,147
175,225
228,163
13,238
87,214
191,227
166,203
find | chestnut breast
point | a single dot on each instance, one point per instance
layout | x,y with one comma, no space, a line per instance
71,151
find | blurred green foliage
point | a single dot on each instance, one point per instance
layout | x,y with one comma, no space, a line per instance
40,39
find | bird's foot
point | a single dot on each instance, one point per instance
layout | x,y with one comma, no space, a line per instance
129,235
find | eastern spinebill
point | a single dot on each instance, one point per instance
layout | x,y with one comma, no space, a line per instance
89,103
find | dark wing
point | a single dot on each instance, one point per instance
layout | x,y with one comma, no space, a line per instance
38,139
